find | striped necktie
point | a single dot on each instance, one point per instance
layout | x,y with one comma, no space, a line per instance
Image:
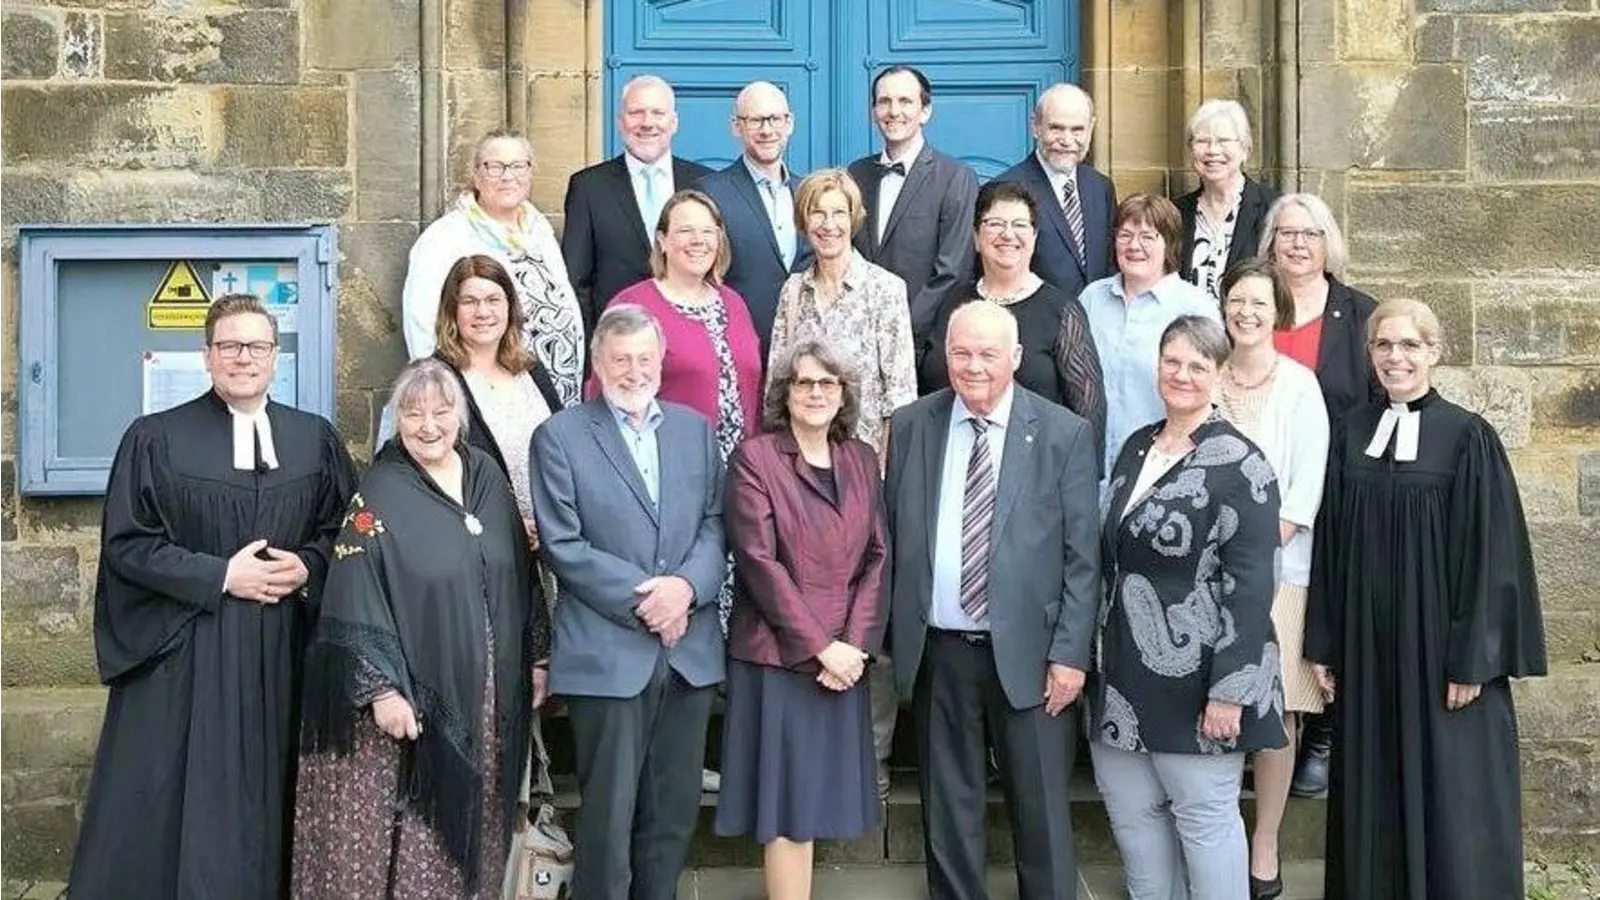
977,523
1074,212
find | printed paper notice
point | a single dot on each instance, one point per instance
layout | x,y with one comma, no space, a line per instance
275,284
173,377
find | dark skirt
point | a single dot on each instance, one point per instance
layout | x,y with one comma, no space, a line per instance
797,758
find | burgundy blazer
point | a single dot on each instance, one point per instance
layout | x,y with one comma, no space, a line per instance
808,571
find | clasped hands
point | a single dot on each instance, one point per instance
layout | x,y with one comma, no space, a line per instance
1456,696
663,607
842,665
266,581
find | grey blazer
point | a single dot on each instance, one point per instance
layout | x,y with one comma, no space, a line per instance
601,536
1044,574
928,238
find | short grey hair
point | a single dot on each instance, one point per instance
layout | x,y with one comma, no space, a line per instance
979,309
1335,254
647,81
624,319
422,376
1230,111
1204,334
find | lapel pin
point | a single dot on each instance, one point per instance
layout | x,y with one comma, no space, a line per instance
1028,438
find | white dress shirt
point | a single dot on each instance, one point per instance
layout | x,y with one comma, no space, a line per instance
890,183
944,608
653,196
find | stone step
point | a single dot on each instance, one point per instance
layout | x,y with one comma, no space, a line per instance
1301,881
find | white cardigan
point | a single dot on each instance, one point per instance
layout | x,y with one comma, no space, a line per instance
1294,436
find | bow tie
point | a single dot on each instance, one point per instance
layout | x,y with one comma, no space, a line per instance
897,168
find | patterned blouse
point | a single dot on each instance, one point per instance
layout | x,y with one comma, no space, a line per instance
512,414
730,415
1212,242
869,326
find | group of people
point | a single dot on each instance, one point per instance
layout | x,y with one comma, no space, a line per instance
1016,456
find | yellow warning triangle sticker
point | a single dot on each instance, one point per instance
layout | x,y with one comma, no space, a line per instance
181,285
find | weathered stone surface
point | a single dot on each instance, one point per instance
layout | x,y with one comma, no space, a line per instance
361,34
32,786
1534,143
555,34
1563,706
378,251
305,195
51,728
1548,481
39,839
48,662
40,579
372,350
106,4
82,46
105,126
29,198
477,35
475,103
8,500
1231,33
1531,60
1565,775
1508,6
1572,636
1589,484
1375,29
388,138
354,420
1565,559
1384,116
1451,301
558,107
160,197
285,127
1502,396
29,44
48,519
1538,322
1460,230
1436,39
253,47
1566,404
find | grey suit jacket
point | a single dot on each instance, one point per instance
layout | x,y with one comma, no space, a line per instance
601,535
1044,564
928,238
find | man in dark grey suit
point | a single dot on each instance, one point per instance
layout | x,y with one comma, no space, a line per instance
919,201
992,500
1076,203
756,197
627,498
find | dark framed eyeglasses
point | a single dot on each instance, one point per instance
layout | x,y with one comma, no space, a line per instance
232,349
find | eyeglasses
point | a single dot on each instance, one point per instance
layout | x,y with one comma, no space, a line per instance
1000,226
689,234
772,121
232,349
827,384
496,169
1238,303
825,216
1409,347
1143,238
476,303
1206,143
1297,235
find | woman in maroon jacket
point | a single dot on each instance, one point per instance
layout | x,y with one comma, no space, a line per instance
805,523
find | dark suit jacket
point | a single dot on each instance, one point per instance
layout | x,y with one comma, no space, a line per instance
810,570
478,433
1044,565
601,535
603,240
928,238
757,272
1254,202
1054,258
1343,367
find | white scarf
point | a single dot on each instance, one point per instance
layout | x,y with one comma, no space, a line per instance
247,427
1401,423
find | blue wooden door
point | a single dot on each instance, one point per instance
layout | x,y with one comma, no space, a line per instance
988,61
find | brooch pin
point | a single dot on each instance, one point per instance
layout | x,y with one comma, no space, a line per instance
474,527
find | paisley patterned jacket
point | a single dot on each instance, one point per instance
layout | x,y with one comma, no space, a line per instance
1189,586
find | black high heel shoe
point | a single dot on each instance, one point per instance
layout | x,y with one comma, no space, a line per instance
1266,890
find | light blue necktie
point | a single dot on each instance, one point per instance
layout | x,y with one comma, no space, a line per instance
652,205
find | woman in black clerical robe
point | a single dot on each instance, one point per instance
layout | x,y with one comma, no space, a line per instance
424,672
1422,605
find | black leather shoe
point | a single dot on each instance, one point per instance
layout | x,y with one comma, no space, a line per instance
1266,890
1316,748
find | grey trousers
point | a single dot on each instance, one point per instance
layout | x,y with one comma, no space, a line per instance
1176,820
885,708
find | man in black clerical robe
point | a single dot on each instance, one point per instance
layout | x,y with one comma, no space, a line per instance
219,518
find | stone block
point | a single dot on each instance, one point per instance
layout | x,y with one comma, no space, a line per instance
305,195
284,127
1564,558
1140,34
388,137
1318,32
55,519
371,346
1548,482
8,500
558,108
1565,778
362,34
40,579
82,46
39,839
378,251
1435,39
1572,636
1143,132
32,787
29,44
1451,301
1515,59
106,4
245,47
1566,403
555,35
1384,117
28,197
1538,322
105,126
181,196
1375,29
475,104
1534,143
1589,484
477,35
48,662
1132,180
1502,396
1460,230
1501,6
51,728
1565,706
352,418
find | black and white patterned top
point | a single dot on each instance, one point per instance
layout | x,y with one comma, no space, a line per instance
1213,241
730,415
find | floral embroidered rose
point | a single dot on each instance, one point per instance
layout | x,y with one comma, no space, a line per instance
364,522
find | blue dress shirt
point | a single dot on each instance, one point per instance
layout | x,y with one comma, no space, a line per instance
944,608
642,446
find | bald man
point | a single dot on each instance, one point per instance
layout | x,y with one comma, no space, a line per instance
756,196
992,502
1076,203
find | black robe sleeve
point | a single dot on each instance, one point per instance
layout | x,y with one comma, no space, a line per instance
148,586
1496,629
338,485
1324,598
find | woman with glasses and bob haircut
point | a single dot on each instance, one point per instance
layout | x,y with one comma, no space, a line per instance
1423,604
805,522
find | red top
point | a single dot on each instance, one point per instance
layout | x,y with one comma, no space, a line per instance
1300,344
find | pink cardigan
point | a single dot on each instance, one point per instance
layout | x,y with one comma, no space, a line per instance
689,370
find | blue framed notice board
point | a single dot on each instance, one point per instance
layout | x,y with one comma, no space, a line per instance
112,327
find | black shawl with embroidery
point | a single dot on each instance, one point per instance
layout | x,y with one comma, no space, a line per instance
417,583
